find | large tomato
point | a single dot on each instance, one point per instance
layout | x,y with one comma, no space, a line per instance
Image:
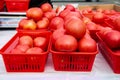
28,24
87,44
66,43
55,22
46,7
98,17
50,14
55,36
40,42
34,13
70,7
117,23
22,48
76,28
26,40
64,13
34,50
43,23
112,39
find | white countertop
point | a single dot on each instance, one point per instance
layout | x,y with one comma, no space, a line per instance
100,71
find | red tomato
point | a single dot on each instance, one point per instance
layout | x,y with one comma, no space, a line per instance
34,13
50,15
28,24
66,43
55,35
87,44
34,50
16,51
91,26
22,48
70,7
55,22
64,13
77,14
40,42
112,39
46,7
75,28
43,24
98,17
117,23
22,23
26,40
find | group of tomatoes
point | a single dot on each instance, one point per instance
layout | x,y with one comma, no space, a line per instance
71,30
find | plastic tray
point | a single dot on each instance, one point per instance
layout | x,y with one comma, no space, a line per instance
24,62
1,5
72,61
17,5
112,57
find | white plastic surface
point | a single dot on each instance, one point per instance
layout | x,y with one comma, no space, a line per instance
100,71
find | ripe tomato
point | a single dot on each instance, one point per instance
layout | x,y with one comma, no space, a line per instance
117,23
43,24
87,44
70,7
77,14
55,22
40,42
28,24
22,48
76,28
98,17
112,39
34,13
34,50
16,51
50,15
46,7
26,40
66,43
60,31
91,26
64,13
22,22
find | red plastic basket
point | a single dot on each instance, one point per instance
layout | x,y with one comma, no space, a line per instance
24,62
17,5
72,61
111,57
1,5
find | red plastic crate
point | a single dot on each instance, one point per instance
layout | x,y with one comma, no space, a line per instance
111,57
24,62
1,5
72,61
17,5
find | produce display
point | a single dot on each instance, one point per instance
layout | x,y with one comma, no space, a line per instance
71,35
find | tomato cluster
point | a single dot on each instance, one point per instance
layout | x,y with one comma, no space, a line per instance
70,32
37,17
29,45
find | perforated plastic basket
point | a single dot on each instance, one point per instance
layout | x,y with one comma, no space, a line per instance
17,5
72,61
111,57
1,5
24,62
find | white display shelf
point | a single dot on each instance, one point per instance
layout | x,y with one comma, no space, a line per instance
100,71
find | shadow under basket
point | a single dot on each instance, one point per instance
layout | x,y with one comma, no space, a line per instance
24,62
72,61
